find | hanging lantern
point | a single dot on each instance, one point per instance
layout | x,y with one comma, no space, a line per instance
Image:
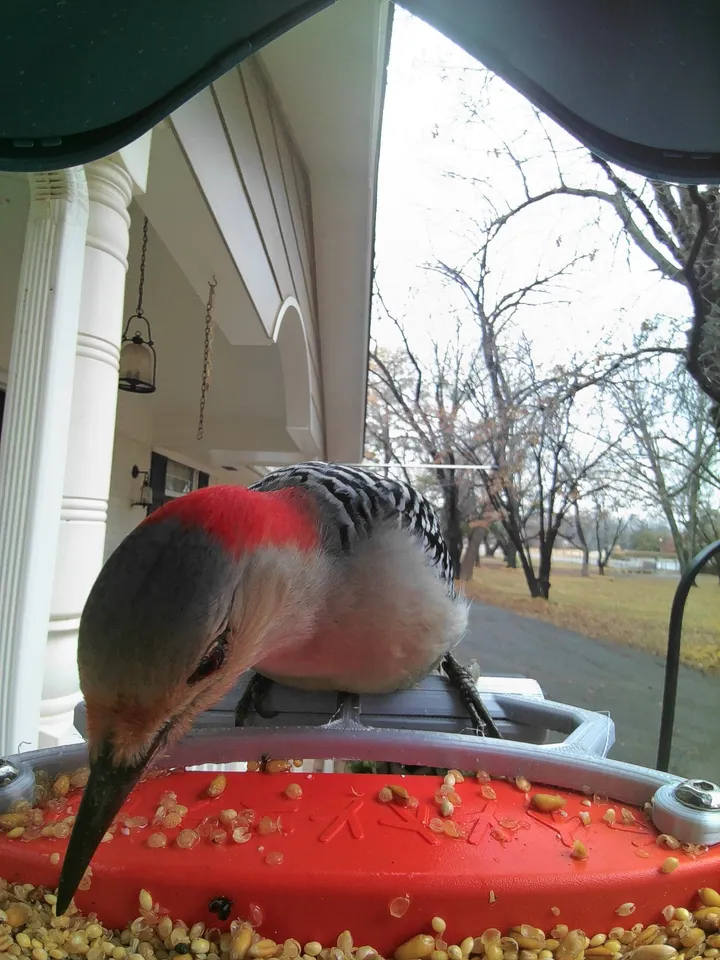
137,352
137,361
146,493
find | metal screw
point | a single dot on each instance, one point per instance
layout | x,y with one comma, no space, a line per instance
698,794
8,772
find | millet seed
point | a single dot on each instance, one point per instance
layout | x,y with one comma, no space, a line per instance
625,909
187,839
399,907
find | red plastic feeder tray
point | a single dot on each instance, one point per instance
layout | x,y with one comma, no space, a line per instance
337,857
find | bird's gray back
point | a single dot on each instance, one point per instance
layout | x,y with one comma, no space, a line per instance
354,500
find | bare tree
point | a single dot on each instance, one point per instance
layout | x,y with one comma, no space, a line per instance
710,531
527,423
388,437
597,522
608,527
676,227
582,540
486,399
482,397
427,399
670,457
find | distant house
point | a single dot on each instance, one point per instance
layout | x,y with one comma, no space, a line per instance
667,547
266,182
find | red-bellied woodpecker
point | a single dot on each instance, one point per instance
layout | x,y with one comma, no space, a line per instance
320,576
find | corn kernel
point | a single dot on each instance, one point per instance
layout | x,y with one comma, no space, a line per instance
547,802
217,785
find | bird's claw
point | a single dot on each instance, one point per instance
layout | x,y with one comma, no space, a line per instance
461,679
253,698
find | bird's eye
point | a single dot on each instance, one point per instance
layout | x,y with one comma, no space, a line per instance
212,661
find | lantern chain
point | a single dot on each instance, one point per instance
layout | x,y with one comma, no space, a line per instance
141,285
207,357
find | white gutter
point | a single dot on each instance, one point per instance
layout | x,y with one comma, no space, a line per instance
425,466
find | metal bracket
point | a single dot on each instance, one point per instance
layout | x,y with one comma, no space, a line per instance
689,810
17,781
433,705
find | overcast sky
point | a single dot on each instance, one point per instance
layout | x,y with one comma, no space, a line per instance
423,214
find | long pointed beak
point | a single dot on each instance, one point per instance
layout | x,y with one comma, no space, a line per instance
107,789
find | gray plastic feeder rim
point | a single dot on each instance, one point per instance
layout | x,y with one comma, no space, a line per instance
578,763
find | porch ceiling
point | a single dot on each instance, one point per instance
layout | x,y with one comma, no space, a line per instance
227,195
329,73
205,198
246,402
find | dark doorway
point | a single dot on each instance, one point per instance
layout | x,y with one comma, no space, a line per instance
170,479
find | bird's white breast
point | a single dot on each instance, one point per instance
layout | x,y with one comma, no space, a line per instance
385,622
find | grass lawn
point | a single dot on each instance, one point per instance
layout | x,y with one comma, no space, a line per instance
623,608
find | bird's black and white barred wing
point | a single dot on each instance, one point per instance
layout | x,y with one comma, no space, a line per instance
358,499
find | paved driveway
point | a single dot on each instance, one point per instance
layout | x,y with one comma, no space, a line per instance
604,676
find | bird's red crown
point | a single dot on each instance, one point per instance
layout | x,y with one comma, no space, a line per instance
243,519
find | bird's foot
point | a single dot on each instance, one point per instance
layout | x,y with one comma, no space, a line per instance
252,699
461,679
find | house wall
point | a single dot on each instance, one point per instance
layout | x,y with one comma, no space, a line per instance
271,174
133,447
123,517
255,155
286,185
230,154
136,438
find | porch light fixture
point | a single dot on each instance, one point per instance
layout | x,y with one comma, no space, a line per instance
137,353
146,494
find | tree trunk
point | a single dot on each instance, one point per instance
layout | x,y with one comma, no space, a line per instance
544,572
585,571
453,528
601,566
453,539
472,552
510,553
530,577
546,551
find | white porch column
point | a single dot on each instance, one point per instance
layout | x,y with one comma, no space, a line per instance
32,457
90,440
